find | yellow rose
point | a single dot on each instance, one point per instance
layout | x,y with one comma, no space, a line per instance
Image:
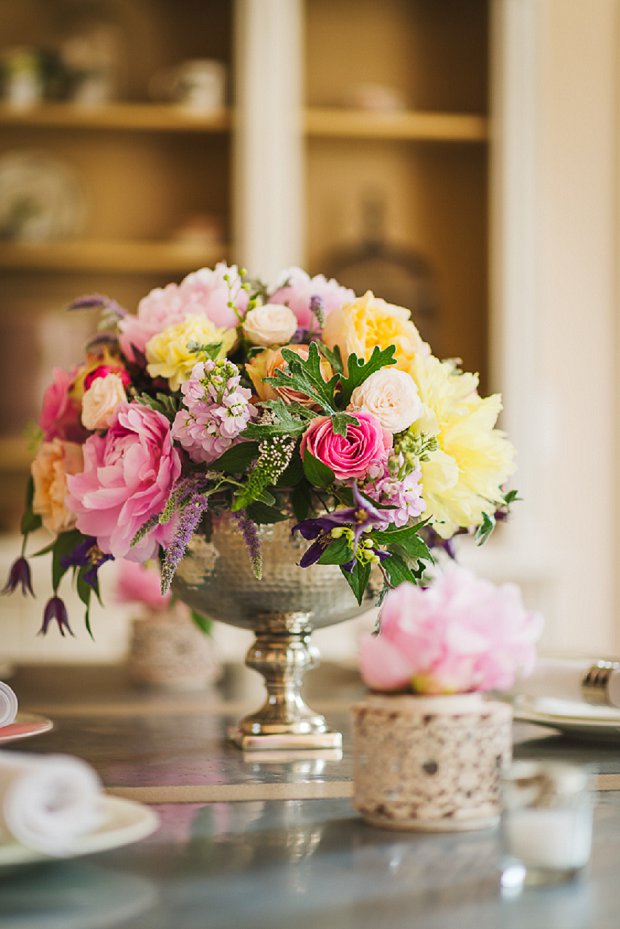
369,321
462,478
53,462
168,354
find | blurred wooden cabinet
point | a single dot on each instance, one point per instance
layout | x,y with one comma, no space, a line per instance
394,103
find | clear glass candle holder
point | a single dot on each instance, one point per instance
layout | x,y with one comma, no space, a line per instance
546,823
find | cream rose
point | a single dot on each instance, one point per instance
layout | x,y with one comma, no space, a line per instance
101,401
271,324
390,395
53,462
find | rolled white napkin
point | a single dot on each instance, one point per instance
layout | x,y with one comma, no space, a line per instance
561,679
8,705
47,802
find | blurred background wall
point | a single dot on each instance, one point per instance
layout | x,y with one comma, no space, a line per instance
458,158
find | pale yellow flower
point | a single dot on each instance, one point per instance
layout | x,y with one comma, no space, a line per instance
369,321
54,460
462,478
101,401
168,354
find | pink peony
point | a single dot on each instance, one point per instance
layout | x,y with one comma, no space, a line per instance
364,447
60,412
461,634
138,584
128,476
201,293
296,288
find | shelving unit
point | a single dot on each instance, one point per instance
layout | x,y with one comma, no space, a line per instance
129,117
338,122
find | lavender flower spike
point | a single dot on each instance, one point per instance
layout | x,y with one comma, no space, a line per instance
55,609
98,302
19,576
249,531
189,519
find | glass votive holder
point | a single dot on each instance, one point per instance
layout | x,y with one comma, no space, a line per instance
546,823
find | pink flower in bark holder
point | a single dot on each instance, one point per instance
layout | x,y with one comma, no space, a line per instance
128,476
462,634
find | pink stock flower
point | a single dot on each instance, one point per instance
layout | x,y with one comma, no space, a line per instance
128,476
364,447
202,293
60,412
461,634
138,584
296,289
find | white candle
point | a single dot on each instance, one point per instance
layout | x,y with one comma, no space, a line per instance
550,838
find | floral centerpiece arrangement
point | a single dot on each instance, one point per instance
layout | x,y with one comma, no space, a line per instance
428,750
223,395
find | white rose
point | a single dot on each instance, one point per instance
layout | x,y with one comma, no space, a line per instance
271,324
392,396
101,400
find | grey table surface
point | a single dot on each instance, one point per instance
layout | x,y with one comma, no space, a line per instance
275,842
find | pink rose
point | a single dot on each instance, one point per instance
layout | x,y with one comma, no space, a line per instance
296,289
128,476
201,293
461,634
103,371
60,412
352,456
137,584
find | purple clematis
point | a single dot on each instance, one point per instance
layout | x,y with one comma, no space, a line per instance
19,576
362,517
55,609
87,555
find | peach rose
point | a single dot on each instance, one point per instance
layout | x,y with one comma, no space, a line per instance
390,395
369,321
268,362
53,462
101,401
271,324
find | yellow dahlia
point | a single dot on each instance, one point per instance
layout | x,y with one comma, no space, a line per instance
462,478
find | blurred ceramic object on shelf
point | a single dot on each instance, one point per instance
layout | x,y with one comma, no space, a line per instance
91,53
167,650
375,97
21,79
198,84
200,229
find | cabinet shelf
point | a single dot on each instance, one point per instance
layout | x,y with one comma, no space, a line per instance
131,256
336,123
151,117
15,454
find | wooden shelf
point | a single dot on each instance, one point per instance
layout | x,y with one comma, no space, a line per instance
124,116
14,454
337,123
113,256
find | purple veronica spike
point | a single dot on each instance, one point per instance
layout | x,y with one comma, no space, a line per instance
189,519
19,576
251,538
55,609
98,302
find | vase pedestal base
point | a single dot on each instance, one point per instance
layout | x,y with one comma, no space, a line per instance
285,741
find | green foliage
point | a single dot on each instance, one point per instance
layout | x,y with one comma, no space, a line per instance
337,552
305,376
211,349
30,520
485,529
202,622
262,514
237,459
316,472
286,420
301,498
167,404
359,370
357,579
396,570
64,545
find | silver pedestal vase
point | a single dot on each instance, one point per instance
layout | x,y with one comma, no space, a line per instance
216,578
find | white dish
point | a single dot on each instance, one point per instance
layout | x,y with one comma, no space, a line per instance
579,719
124,822
25,726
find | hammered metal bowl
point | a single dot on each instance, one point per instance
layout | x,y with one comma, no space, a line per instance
216,579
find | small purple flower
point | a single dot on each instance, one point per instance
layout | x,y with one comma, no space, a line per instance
55,609
98,302
251,538
87,555
189,518
360,518
19,576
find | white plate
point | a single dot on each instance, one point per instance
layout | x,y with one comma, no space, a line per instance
579,719
124,821
25,725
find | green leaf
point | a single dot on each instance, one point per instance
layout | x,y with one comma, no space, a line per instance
512,497
262,514
396,570
63,546
485,528
300,500
406,538
237,459
316,472
293,473
333,355
203,622
340,421
359,370
305,376
290,419
167,404
357,579
84,593
30,520
210,349
337,552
